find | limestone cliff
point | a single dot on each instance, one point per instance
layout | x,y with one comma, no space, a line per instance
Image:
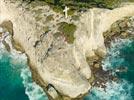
58,67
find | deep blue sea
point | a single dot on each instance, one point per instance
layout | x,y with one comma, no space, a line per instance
16,82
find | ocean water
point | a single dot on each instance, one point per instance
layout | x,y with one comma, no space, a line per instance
121,54
15,77
16,82
11,86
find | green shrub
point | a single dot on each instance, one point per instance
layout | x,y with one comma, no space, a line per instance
68,31
75,17
46,29
58,4
37,3
49,18
108,3
57,34
38,18
71,12
58,9
38,12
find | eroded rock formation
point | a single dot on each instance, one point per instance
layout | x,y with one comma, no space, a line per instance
58,67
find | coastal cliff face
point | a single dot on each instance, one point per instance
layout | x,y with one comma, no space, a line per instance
58,67
52,61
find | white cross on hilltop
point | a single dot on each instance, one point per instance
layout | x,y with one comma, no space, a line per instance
65,10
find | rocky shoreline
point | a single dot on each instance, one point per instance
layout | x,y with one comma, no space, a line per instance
7,26
121,29
65,69
99,76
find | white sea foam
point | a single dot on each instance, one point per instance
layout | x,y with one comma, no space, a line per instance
114,52
113,91
34,91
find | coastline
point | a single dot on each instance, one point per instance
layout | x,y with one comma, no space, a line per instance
119,31
36,60
33,67
23,72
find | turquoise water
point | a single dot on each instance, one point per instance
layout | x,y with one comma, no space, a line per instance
121,54
16,82
11,86
125,58
15,78
127,52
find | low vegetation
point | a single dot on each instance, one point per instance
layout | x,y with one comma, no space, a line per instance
46,29
38,18
75,17
80,5
68,31
49,18
57,9
83,3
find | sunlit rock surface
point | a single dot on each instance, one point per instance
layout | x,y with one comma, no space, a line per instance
54,62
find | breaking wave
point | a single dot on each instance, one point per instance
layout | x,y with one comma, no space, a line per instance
34,91
113,91
113,58
18,63
121,54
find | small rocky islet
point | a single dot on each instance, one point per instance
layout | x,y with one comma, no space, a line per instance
58,53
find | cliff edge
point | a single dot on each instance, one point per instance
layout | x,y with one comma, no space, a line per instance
58,67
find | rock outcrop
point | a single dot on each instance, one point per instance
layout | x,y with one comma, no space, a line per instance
121,29
58,67
52,62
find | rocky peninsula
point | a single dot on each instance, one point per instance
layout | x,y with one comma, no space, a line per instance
58,64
